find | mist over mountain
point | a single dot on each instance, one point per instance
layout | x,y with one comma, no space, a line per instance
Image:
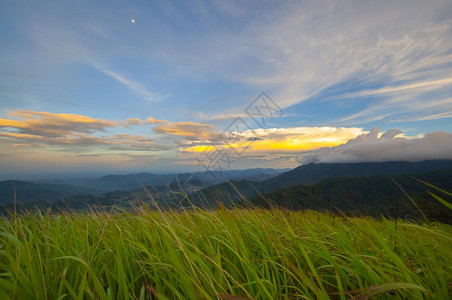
52,190
357,188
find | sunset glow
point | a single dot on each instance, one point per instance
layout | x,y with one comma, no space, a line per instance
154,97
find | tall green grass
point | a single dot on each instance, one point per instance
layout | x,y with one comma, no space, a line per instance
221,254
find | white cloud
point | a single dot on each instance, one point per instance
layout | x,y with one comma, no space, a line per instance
426,85
403,47
294,50
136,87
297,50
407,107
376,147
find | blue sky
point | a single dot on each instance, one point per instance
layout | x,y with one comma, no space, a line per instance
122,86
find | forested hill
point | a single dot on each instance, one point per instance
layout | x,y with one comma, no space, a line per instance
377,195
313,173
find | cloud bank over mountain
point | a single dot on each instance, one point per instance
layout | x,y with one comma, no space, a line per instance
378,147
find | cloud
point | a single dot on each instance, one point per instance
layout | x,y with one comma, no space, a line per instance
407,106
79,142
279,140
377,147
362,41
425,85
298,139
189,130
310,47
73,132
129,142
295,50
151,120
132,121
47,124
443,115
264,147
136,87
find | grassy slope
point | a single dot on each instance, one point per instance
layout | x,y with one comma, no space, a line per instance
263,254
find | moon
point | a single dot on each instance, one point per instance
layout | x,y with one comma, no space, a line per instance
133,20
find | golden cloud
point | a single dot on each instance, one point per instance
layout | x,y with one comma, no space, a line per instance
70,130
151,120
189,130
283,140
53,125
131,121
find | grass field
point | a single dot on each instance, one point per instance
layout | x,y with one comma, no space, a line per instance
222,254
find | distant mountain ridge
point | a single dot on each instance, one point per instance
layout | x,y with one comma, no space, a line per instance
52,190
313,173
353,188
200,187
316,172
24,191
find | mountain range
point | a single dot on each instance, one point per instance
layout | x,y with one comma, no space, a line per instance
52,190
357,188
314,173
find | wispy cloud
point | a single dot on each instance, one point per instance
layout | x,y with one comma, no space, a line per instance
295,51
416,106
136,87
317,45
443,115
424,85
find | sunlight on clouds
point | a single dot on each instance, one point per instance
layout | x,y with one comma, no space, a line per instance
52,124
302,138
72,133
189,130
388,146
285,140
68,130
151,120
292,144
52,116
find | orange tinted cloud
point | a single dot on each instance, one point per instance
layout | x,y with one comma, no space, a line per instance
69,130
151,120
189,130
53,125
302,138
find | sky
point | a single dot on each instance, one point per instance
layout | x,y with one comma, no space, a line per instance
98,87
